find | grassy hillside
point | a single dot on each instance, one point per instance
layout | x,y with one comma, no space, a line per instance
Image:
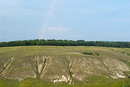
91,66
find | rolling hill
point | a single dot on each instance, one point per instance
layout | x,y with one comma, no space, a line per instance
91,66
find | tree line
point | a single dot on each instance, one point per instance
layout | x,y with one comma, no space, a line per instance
53,42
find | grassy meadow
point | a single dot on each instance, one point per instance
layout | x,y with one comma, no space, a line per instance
20,67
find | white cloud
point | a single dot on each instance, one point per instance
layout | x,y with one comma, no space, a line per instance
57,30
57,33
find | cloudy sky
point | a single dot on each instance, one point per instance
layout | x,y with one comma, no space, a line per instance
92,20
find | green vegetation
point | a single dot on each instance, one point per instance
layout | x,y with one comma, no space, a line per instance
88,53
71,61
102,82
128,54
54,42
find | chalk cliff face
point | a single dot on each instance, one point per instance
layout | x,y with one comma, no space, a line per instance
65,64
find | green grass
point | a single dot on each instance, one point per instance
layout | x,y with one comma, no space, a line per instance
8,83
23,54
99,82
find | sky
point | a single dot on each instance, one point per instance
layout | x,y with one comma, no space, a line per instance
90,20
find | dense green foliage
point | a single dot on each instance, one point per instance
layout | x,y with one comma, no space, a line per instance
54,42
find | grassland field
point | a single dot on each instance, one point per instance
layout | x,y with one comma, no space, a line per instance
22,55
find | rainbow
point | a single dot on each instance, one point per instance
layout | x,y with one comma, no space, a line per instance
47,18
